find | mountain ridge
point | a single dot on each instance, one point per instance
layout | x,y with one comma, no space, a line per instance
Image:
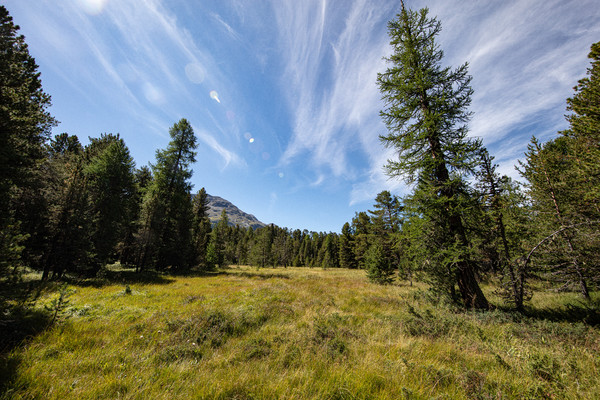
236,216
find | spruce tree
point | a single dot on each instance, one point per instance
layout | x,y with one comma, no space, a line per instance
425,114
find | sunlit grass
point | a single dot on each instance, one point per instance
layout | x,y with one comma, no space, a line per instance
300,334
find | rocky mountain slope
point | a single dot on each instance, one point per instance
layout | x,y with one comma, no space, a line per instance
236,216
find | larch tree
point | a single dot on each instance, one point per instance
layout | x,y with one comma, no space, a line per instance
426,114
165,236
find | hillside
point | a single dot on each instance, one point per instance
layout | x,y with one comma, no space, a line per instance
236,216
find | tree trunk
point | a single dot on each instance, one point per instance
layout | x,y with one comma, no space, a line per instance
470,291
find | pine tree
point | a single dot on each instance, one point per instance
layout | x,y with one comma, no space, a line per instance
378,264
217,243
261,250
346,256
201,228
385,226
112,194
426,114
329,252
361,225
386,216
25,124
69,243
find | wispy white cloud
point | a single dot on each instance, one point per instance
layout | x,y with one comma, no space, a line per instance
332,57
232,32
229,157
315,61
135,53
525,57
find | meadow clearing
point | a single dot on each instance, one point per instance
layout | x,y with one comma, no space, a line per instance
298,333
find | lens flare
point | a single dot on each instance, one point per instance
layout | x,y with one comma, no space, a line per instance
153,94
215,96
251,140
93,7
195,73
281,175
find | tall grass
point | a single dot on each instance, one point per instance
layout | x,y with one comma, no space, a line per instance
300,334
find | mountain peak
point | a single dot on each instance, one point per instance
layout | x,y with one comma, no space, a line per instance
236,216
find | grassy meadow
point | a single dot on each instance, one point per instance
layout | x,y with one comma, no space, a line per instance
243,333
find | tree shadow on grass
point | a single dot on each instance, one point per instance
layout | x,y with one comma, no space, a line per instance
583,312
587,313
256,275
124,276
19,323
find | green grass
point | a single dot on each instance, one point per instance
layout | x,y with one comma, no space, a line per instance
300,334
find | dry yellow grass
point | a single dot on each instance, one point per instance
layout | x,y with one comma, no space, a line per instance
298,334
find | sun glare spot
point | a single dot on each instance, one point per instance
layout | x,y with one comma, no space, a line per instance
215,96
93,7
251,140
153,94
195,73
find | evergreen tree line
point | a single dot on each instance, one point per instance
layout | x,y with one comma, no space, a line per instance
271,246
69,208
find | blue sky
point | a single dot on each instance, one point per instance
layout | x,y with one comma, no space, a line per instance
282,94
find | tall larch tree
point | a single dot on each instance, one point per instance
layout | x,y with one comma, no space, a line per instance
165,236
426,114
